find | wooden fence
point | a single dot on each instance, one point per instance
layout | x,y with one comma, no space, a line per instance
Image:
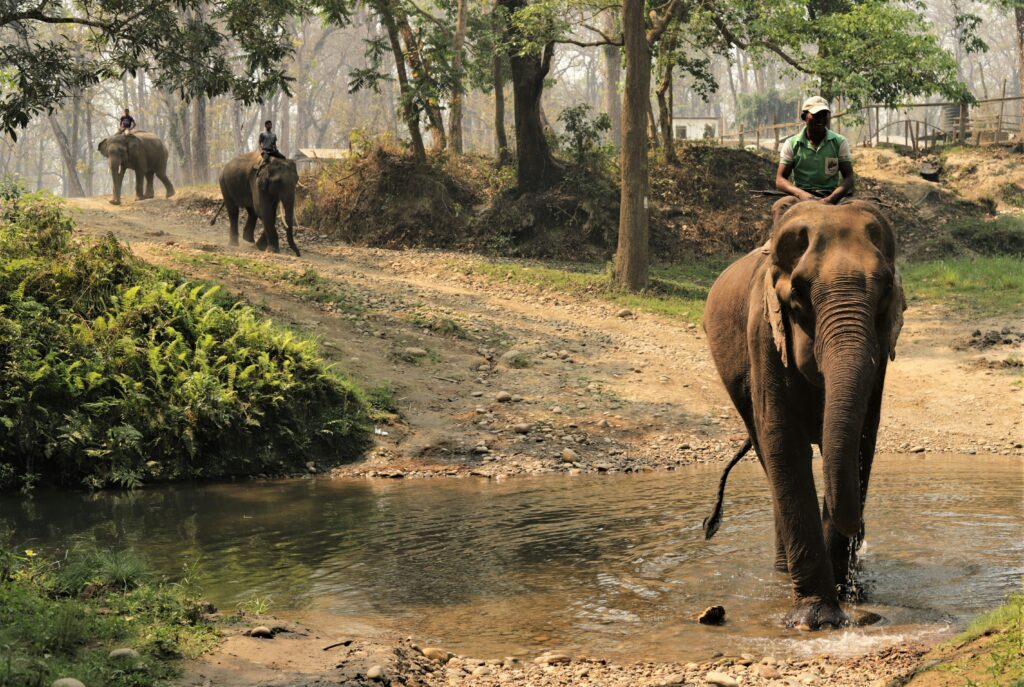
919,126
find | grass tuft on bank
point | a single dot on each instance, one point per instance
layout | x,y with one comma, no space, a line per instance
62,617
115,373
977,286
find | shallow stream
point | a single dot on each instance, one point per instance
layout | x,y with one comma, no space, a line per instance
613,566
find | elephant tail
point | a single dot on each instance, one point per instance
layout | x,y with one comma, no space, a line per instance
217,214
711,523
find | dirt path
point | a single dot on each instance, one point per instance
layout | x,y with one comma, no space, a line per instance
501,379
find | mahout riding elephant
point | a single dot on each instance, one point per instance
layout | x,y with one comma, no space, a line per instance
801,331
260,193
141,151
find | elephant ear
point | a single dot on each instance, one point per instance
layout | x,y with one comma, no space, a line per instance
894,313
773,313
780,207
103,147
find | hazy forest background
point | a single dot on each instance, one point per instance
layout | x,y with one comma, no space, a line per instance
343,86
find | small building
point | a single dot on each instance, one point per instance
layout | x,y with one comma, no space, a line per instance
307,159
694,128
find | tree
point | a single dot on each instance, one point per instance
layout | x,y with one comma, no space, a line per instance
631,257
189,55
455,123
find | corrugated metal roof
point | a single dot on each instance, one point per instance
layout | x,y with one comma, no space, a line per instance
322,154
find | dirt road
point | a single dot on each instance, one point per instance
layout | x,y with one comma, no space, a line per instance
498,379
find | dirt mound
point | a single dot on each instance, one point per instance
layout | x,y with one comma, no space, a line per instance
387,199
990,175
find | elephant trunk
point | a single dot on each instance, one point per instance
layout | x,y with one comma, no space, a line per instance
848,357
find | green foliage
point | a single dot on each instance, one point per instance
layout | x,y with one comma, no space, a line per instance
583,134
770,107
114,373
50,629
977,285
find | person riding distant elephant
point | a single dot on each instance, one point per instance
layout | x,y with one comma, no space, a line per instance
260,188
801,331
142,152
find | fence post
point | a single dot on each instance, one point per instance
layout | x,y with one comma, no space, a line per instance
775,130
961,135
999,120
741,136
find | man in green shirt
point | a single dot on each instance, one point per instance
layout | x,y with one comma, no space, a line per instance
816,158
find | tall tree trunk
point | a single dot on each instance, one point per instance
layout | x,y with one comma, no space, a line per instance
666,61
39,160
286,123
498,76
455,116
1018,14
72,182
613,72
140,100
236,126
651,121
187,166
536,167
89,191
631,258
419,66
200,150
412,119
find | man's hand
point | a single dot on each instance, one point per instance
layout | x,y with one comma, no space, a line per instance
831,199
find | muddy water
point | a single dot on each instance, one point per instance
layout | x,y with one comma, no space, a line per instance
610,566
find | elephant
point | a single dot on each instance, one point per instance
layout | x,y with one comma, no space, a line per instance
801,331
260,194
141,151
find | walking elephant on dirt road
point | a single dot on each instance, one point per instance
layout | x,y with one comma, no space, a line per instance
260,194
142,152
801,331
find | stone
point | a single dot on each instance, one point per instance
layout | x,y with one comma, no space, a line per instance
481,671
863,618
712,615
67,682
261,632
625,312
552,659
671,680
123,654
503,397
481,449
721,679
806,679
522,428
569,456
603,467
767,672
510,662
414,351
437,655
917,449
375,673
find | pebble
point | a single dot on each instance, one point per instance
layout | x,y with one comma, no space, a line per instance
119,654
917,449
552,659
503,397
625,312
435,654
67,682
721,679
522,428
262,632
767,672
806,678
603,467
414,351
671,680
481,671
375,673
569,456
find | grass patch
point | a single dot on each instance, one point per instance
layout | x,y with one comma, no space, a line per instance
985,286
382,398
116,373
677,290
1003,235
62,617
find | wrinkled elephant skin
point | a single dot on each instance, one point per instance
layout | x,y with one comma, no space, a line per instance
801,331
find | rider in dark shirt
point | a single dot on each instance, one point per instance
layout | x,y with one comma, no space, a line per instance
268,142
126,123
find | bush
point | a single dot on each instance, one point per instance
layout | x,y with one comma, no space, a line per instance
1001,236
114,373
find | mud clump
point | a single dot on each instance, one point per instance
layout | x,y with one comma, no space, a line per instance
995,337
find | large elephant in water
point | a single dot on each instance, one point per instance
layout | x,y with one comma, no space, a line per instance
801,331
140,151
260,193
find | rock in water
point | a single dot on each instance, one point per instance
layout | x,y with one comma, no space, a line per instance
862,618
712,615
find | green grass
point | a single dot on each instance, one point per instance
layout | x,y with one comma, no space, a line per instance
677,290
1002,661
62,617
978,286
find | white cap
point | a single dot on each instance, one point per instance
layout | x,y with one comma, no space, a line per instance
815,104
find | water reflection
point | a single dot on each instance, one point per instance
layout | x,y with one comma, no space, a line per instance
612,565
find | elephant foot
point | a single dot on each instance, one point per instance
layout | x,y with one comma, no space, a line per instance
816,615
273,249
114,202
852,591
170,194
232,242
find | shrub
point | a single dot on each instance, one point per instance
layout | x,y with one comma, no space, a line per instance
114,373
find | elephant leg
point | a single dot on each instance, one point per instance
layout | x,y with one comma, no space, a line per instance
289,220
140,179
117,178
233,219
268,212
149,184
250,225
168,186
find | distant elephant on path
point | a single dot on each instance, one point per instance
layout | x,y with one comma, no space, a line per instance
801,331
141,151
260,194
